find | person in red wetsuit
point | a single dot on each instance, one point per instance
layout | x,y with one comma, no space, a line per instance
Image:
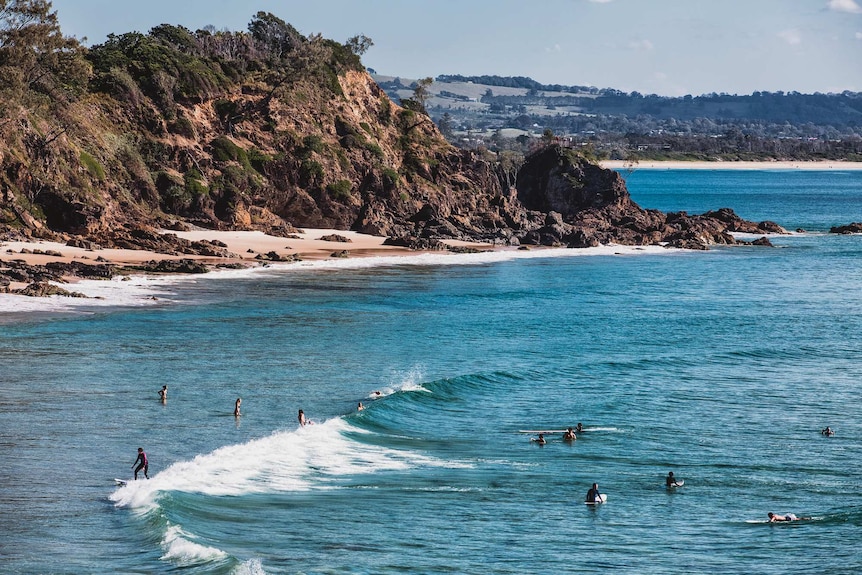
144,464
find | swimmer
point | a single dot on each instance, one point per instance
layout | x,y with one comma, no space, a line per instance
579,428
163,393
540,440
236,412
828,432
360,407
302,420
569,435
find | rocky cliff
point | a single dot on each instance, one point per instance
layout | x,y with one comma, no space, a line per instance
270,130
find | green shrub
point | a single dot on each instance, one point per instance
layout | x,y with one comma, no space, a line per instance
182,126
340,190
224,150
310,172
193,185
93,166
258,160
391,179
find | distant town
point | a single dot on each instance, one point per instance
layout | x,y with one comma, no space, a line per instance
510,113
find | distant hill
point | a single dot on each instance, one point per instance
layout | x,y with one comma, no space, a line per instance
806,125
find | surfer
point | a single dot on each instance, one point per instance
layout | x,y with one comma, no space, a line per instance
579,428
569,435
163,393
593,495
828,432
774,518
360,407
236,412
301,417
670,480
144,464
540,440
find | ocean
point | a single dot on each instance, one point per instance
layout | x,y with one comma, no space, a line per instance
721,366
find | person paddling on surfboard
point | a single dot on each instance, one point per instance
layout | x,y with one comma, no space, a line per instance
144,464
593,495
774,517
671,481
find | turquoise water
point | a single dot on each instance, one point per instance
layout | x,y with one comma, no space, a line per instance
721,366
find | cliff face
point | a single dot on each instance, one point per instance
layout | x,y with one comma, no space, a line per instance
271,131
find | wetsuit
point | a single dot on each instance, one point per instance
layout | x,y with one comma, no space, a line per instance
593,495
142,457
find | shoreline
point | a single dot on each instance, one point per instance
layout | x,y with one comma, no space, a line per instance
722,165
141,288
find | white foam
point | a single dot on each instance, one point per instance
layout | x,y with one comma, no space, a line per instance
180,548
143,290
250,567
311,457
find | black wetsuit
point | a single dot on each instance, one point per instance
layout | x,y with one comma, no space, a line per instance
142,457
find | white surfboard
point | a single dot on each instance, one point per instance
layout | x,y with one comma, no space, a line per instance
602,499
678,483
537,431
120,482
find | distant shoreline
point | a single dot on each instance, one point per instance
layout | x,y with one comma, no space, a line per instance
720,165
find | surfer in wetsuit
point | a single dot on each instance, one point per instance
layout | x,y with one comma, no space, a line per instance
569,435
579,428
301,417
236,412
670,480
593,495
828,432
774,518
163,393
144,464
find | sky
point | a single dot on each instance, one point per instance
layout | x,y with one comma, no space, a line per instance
665,47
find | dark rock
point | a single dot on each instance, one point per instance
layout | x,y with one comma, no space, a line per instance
764,241
335,238
852,228
77,242
182,266
45,289
340,254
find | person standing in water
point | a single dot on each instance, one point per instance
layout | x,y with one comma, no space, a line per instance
144,464
670,480
569,435
163,394
360,407
236,412
302,420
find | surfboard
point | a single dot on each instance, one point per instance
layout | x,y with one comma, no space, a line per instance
120,481
537,431
602,498
679,483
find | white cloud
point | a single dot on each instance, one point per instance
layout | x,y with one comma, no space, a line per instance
791,36
554,48
641,45
858,35
845,6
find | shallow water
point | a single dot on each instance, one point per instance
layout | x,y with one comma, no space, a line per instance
721,366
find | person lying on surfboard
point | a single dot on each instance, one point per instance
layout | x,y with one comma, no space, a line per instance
773,517
671,481
593,495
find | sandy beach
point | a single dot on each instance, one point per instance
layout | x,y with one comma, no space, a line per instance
719,165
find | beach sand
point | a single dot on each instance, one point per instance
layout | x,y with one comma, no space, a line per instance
674,165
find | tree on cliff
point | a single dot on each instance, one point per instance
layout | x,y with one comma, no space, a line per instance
359,44
35,57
